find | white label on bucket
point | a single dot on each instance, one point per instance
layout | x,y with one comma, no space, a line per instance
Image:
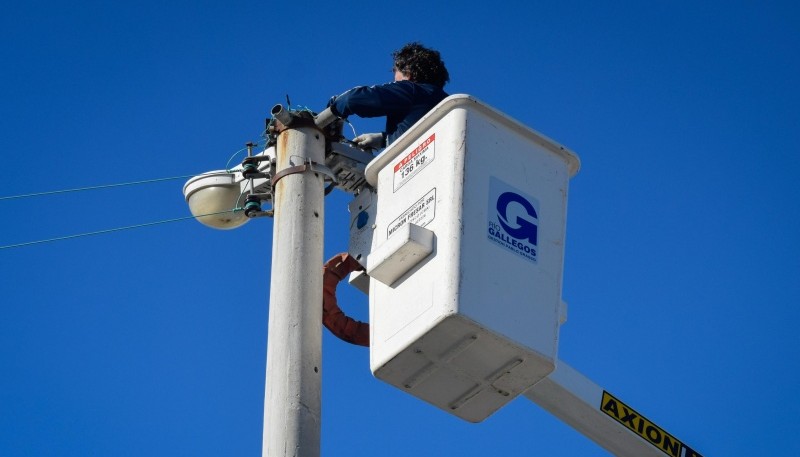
420,213
414,161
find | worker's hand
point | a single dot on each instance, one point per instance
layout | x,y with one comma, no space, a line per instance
369,140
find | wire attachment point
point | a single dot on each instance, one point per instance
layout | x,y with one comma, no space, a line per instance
252,206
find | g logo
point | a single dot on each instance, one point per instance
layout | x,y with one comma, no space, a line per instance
523,228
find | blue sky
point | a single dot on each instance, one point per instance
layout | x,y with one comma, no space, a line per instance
682,255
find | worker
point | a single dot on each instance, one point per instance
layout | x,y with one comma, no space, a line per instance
418,86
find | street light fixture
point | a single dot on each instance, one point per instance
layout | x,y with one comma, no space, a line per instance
213,198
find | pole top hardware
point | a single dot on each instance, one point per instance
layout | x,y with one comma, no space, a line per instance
238,193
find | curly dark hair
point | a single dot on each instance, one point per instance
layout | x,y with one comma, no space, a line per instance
421,64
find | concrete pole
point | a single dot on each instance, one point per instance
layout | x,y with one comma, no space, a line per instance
292,402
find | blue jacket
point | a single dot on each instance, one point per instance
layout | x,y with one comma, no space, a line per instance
402,102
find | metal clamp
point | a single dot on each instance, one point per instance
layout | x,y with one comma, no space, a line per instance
308,165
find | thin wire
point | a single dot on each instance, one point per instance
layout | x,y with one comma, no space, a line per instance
228,163
118,229
301,108
352,127
105,186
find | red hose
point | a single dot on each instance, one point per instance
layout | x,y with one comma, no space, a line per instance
341,325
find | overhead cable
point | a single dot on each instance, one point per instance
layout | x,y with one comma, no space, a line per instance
117,229
104,186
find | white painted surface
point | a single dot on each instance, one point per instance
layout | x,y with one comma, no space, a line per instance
475,323
292,402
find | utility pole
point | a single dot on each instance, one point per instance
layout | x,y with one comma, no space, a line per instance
292,402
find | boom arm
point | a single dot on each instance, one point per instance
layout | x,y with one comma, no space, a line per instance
603,418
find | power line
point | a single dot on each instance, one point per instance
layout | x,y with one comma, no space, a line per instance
131,183
107,186
117,229
104,186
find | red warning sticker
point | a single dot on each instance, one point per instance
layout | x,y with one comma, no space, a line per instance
408,167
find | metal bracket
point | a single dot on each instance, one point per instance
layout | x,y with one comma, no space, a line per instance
308,165
348,164
344,165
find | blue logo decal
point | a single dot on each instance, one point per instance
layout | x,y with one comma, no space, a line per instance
525,229
513,220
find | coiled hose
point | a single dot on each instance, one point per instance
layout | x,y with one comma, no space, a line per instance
334,319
